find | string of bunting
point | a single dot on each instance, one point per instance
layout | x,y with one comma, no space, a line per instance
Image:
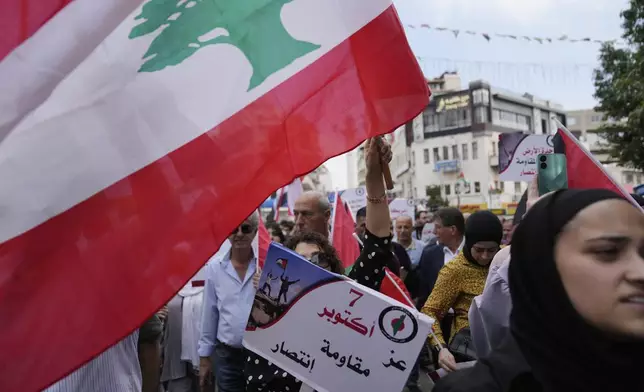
488,36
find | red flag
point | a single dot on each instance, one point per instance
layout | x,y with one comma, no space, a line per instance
584,170
121,172
264,242
342,234
393,287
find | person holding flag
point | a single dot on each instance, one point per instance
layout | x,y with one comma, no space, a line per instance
369,269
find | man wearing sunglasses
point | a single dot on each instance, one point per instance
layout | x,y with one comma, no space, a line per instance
228,298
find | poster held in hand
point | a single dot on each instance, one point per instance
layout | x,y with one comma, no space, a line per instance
363,340
518,155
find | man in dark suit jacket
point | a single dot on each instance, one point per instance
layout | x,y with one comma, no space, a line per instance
449,228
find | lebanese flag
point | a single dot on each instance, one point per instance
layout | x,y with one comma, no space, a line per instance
342,230
135,136
584,170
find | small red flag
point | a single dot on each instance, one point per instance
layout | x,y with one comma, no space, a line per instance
584,170
342,235
264,242
393,287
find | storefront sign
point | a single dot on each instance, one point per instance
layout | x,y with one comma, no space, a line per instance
451,103
510,208
470,208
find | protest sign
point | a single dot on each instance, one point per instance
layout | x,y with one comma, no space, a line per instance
518,155
330,332
402,207
356,198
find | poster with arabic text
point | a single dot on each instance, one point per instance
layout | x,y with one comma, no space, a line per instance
518,155
330,332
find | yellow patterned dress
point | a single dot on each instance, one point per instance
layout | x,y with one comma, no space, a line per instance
459,281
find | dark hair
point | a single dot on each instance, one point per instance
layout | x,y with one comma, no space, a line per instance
277,230
361,213
287,223
417,216
325,247
451,216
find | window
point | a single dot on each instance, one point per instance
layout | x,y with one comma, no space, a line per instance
511,120
465,152
426,155
448,189
436,156
430,120
629,178
596,118
475,150
517,187
480,115
445,153
481,97
477,187
413,158
455,151
494,147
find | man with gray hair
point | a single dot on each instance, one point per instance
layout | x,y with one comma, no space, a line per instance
229,295
312,213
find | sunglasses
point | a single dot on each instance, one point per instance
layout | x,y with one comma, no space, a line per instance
320,259
245,229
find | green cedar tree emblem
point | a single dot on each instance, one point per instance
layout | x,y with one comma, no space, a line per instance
253,26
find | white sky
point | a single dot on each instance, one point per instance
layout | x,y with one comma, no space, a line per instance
564,70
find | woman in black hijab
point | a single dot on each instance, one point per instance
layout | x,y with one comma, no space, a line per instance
577,287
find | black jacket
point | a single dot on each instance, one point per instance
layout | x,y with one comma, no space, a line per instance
505,370
420,282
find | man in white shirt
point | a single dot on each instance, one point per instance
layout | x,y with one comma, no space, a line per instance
131,365
228,299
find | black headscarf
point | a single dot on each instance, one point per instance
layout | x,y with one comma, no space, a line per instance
481,226
563,350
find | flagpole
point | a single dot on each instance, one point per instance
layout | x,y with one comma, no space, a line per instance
335,210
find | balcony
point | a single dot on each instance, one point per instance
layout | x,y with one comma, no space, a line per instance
494,160
448,166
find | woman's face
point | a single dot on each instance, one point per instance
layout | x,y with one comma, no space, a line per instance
599,256
484,251
308,251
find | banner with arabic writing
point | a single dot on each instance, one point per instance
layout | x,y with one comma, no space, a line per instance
330,332
518,155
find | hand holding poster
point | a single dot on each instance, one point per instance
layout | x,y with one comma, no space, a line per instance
330,332
518,155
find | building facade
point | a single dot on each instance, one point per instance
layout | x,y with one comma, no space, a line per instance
453,144
584,124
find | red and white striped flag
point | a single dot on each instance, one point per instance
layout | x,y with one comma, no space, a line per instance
135,135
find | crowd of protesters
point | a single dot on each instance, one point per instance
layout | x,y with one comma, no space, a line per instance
552,300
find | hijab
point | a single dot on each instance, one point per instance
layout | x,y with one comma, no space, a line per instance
563,350
481,226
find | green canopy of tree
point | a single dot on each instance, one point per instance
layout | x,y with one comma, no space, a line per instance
619,88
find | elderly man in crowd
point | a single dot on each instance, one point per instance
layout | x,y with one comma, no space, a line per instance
312,213
403,227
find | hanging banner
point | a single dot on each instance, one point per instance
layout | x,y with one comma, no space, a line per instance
330,332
